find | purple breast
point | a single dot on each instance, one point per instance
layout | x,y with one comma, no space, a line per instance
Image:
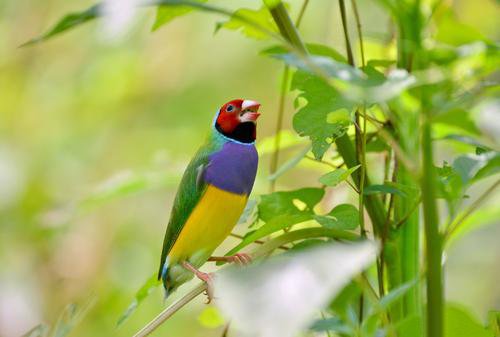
233,168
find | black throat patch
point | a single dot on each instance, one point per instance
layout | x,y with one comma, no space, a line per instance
244,132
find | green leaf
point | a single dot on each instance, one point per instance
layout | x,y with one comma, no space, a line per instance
460,323
166,13
323,102
282,203
458,118
146,289
211,317
344,216
41,330
385,188
494,320
449,186
483,217
334,324
453,32
410,326
336,177
261,16
480,148
396,294
312,48
70,317
274,225
353,85
288,165
473,167
67,22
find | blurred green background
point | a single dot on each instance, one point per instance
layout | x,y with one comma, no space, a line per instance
95,134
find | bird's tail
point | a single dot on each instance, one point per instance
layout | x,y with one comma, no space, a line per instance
167,279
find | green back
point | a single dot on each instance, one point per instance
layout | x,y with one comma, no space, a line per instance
189,193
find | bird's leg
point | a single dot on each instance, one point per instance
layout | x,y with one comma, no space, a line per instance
205,277
239,258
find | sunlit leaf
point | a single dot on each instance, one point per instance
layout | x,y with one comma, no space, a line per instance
311,120
165,14
282,203
309,278
453,32
339,175
458,118
480,148
410,326
261,16
460,323
211,318
146,289
494,320
344,216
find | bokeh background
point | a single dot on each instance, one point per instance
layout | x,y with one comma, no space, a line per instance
95,133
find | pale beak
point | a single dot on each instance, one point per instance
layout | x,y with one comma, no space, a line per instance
249,111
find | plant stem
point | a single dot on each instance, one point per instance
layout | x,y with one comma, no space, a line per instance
473,207
279,125
433,240
168,312
281,108
350,57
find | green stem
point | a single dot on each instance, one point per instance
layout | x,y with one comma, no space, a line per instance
433,238
281,108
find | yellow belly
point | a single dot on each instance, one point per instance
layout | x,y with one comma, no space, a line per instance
209,224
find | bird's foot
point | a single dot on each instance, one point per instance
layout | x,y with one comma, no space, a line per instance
208,278
238,258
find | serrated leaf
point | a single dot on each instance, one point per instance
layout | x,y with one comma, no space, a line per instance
262,17
312,119
68,22
336,177
344,216
166,13
281,203
460,323
146,289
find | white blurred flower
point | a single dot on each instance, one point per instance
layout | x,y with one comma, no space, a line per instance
118,16
281,296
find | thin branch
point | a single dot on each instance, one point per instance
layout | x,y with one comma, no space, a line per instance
168,312
408,214
324,162
350,58
473,207
260,242
281,110
360,34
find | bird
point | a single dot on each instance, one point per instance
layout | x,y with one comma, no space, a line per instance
211,197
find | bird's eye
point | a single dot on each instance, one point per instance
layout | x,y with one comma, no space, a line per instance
229,108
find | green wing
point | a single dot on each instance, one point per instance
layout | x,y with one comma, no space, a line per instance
189,193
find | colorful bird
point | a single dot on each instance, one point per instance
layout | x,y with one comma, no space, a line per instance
211,197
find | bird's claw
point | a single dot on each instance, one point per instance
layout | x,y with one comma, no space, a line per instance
240,259
208,278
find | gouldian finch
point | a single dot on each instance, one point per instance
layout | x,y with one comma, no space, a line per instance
212,195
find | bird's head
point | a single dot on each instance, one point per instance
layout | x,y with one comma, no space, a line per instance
237,120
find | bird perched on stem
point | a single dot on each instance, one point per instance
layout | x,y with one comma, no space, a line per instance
211,197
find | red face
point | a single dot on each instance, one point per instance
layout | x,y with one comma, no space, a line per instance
236,112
